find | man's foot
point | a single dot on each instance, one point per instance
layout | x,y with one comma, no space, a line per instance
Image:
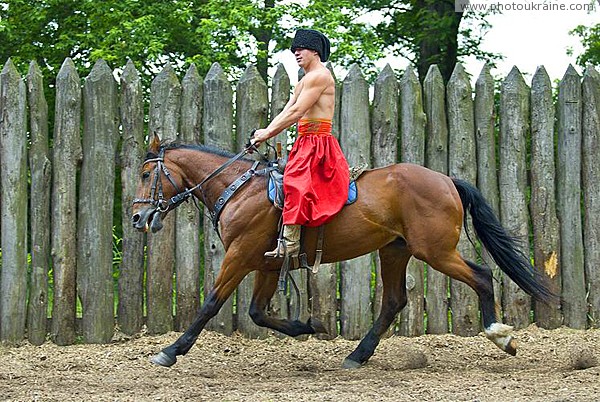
290,243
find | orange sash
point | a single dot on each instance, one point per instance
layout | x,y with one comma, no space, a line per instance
314,127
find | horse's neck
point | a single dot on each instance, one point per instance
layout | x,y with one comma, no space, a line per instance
201,165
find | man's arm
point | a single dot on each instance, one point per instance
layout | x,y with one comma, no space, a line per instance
312,88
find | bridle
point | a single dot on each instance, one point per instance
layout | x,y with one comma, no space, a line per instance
161,204
157,199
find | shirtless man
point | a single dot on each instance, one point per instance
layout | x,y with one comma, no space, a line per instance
316,176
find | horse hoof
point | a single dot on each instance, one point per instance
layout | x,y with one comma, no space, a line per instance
500,334
163,359
511,347
317,325
350,364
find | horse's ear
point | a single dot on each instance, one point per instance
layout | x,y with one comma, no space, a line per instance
155,144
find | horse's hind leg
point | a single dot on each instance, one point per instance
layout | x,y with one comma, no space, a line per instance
394,258
265,284
480,280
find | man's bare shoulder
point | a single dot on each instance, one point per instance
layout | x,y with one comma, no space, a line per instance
319,77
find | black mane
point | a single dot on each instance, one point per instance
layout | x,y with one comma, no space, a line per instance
196,147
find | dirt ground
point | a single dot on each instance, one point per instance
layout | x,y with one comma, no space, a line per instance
558,365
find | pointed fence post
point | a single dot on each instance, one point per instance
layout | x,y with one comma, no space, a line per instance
487,173
96,199
13,173
434,95
591,189
514,126
546,231
165,104
356,316
217,126
569,200
384,142
187,236
66,156
280,96
462,164
412,129
336,120
130,311
251,112
41,174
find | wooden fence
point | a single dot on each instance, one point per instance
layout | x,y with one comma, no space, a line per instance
535,160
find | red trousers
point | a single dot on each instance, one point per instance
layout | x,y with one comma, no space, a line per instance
316,176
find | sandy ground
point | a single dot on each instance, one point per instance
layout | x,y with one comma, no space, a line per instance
558,365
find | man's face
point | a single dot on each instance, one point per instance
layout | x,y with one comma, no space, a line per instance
305,56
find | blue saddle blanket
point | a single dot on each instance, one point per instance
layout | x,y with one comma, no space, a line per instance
275,191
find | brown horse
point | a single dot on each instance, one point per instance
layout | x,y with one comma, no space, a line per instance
403,210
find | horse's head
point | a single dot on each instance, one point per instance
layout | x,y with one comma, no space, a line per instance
156,189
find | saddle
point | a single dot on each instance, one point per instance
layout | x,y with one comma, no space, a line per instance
276,196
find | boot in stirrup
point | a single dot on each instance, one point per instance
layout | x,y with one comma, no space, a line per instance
290,243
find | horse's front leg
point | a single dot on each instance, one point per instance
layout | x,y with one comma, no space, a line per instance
229,278
265,284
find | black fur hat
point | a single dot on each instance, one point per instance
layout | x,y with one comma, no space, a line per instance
313,40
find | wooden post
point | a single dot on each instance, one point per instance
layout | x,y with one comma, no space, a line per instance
65,159
251,112
187,236
41,174
434,94
130,311
591,189
96,199
217,126
514,126
356,309
462,164
546,232
323,285
384,128
13,171
487,173
412,129
569,200
280,95
165,104
336,124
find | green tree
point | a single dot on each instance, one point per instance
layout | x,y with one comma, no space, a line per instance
429,32
590,38
149,33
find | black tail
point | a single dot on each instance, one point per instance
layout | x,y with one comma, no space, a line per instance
502,246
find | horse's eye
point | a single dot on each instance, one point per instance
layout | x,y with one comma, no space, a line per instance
145,175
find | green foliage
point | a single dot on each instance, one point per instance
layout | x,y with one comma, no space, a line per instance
429,32
590,39
233,33
149,33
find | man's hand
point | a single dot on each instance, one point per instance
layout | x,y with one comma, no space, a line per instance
260,136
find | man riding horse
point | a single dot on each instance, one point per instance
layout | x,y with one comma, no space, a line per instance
316,175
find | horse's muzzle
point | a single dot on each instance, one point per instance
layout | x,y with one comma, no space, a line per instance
147,218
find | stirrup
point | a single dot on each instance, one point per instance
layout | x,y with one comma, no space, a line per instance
279,250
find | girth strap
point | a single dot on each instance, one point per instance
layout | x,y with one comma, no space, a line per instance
228,193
